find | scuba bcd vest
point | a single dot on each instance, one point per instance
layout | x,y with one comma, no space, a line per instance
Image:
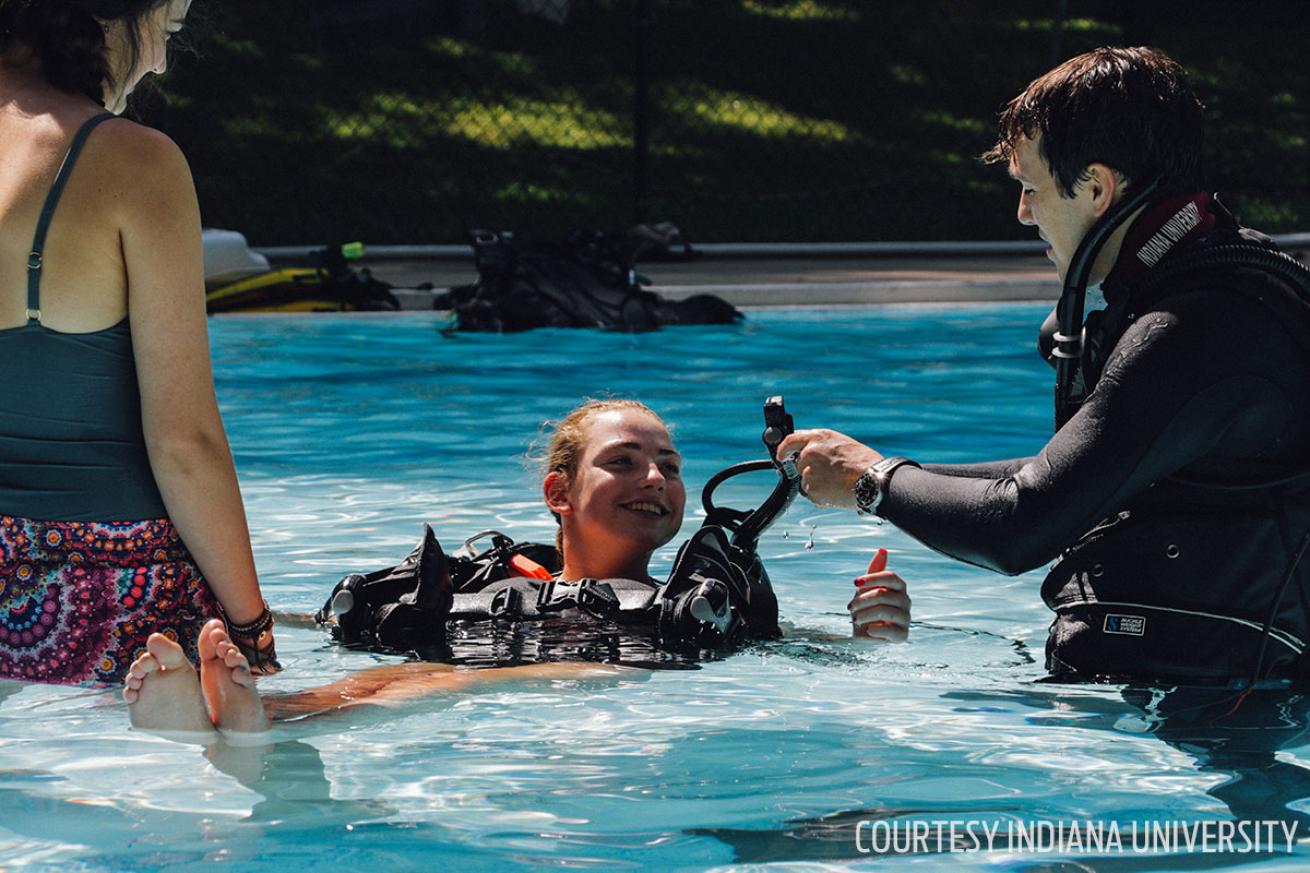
502,605
589,280
1197,581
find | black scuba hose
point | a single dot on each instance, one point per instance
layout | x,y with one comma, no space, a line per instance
748,534
1069,311
746,527
1279,263
724,475
1273,611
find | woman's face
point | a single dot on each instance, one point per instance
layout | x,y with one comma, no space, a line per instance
627,491
156,28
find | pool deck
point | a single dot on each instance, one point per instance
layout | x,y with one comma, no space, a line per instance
807,282
758,281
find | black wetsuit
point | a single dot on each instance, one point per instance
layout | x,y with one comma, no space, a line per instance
1209,379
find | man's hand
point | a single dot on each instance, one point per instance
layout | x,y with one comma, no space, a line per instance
829,462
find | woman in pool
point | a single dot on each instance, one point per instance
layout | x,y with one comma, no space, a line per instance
613,480
119,508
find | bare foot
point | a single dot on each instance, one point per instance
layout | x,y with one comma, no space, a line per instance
163,693
234,704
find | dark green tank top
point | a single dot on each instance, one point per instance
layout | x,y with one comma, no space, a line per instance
71,443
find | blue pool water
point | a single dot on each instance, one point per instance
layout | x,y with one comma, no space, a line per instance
349,432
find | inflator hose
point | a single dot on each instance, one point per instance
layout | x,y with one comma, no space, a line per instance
746,527
1069,312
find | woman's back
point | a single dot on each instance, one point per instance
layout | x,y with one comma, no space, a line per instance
70,407
83,284
117,488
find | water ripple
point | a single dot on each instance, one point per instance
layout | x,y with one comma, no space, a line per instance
350,433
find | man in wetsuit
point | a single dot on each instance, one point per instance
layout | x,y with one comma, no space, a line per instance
1170,492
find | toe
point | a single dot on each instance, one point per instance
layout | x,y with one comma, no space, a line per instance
143,667
166,652
243,677
231,654
213,633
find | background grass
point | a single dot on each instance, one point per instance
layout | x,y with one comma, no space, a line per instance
409,121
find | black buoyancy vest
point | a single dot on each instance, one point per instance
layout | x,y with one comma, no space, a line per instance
590,280
1195,581
445,607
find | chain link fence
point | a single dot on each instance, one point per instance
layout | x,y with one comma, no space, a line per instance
411,121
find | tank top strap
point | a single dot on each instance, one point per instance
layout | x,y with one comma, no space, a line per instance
34,259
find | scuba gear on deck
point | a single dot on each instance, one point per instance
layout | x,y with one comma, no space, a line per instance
589,280
1201,579
502,605
327,283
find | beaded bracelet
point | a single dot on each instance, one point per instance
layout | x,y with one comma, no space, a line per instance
263,622
247,638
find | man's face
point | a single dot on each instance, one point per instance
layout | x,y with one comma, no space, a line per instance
1061,221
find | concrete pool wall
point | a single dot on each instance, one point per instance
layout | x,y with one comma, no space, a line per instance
787,275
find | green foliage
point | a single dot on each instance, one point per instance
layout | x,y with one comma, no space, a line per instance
411,121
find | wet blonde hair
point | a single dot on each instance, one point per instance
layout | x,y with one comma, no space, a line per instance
568,441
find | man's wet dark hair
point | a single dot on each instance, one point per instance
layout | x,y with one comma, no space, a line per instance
69,39
1132,109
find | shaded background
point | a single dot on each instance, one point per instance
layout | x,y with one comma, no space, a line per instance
410,121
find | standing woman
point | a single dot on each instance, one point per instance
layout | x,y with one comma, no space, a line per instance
119,509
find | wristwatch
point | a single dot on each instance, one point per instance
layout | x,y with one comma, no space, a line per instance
871,487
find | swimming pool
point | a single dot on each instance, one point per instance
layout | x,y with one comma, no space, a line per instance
351,431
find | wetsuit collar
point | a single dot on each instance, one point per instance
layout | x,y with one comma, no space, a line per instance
1170,223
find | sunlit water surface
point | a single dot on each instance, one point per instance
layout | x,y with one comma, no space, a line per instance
349,432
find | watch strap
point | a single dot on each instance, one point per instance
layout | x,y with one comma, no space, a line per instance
871,487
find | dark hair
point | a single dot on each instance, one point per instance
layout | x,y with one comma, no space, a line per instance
1132,109
68,38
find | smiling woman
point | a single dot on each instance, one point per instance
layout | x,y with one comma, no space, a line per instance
613,480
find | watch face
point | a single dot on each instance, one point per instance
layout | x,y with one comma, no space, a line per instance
866,489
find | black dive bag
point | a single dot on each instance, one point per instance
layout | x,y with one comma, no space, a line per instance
1197,582
588,280
502,606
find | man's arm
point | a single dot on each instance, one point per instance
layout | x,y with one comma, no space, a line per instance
983,470
1180,385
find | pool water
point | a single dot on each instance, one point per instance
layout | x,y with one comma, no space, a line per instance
349,432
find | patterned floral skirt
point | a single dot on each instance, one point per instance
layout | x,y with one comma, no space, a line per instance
79,599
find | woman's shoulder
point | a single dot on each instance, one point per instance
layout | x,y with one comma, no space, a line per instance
141,169
122,148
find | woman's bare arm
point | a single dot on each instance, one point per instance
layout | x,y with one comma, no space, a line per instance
396,685
159,221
